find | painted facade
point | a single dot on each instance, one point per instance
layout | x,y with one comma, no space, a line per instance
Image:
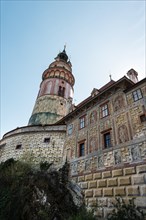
106,145
103,138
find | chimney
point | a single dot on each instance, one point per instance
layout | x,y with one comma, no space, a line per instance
132,74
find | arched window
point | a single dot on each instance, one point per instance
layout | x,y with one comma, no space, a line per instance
61,91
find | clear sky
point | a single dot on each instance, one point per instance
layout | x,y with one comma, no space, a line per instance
102,37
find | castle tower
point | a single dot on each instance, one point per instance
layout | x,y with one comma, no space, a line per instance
56,92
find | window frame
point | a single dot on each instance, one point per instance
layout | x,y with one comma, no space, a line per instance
70,129
137,95
104,112
18,147
107,140
47,140
82,122
61,91
141,118
81,148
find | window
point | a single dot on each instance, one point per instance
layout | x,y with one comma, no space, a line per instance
70,128
61,91
137,95
18,146
107,140
104,110
81,149
2,145
46,140
82,122
143,118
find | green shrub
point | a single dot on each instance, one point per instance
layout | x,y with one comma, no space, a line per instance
123,211
84,214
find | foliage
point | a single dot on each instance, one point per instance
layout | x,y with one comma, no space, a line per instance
28,192
45,165
34,194
125,211
83,214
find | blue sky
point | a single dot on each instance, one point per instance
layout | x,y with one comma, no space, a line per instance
102,37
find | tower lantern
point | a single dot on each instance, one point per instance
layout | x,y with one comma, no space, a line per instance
56,92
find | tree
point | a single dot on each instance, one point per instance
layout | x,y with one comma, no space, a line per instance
125,211
36,194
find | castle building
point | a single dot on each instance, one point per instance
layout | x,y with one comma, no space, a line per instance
103,137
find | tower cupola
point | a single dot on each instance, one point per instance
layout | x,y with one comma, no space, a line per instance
56,92
62,55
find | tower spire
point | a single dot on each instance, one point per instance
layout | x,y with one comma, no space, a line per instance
56,92
64,46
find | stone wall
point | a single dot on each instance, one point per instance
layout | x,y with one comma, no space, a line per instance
100,188
102,178
37,143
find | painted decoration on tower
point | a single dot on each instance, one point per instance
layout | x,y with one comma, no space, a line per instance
46,87
56,87
43,118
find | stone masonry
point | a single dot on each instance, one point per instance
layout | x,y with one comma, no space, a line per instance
35,143
100,188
